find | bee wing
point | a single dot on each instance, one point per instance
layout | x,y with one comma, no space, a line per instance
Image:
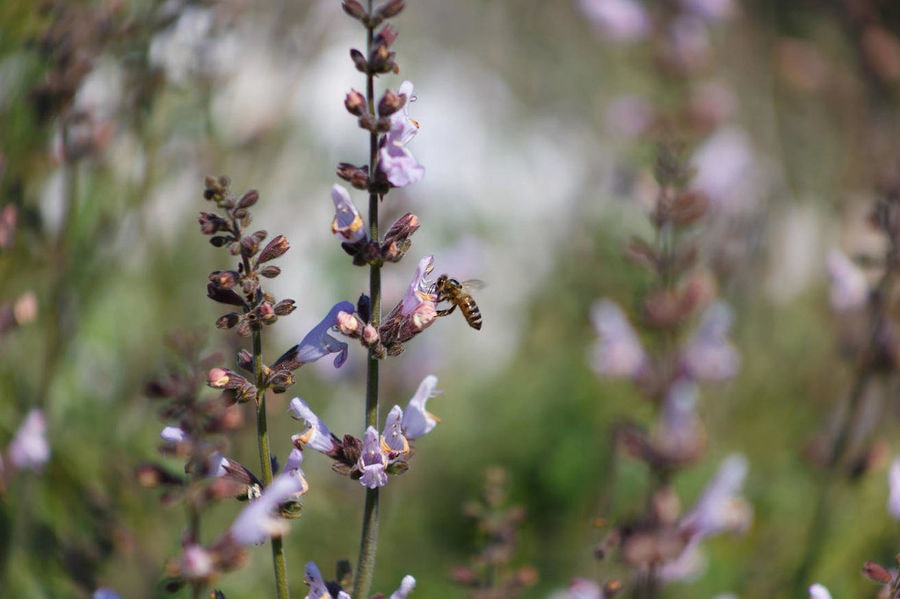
473,284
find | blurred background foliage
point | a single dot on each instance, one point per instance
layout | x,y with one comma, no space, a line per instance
535,139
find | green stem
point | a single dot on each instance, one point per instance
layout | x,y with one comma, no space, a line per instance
368,544
265,460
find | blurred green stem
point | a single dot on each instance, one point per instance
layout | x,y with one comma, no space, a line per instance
265,459
368,544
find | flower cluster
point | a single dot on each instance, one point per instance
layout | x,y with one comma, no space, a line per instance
371,459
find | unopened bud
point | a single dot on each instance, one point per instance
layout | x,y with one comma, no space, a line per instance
285,307
354,9
370,335
876,572
390,103
218,378
391,9
275,248
355,103
386,36
249,246
245,360
359,61
227,321
381,60
280,381
151,476
248,199
270,271
266,313
223,296
225,279
211,223
348,324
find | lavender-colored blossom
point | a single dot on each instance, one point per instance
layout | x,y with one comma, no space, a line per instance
394,159
348,223
709,355
259,520
196,562
689,564
720,507
725,169
317,436
680,432
372,461
620,20
893,503
712,11
317,587
105,593
392,439
849,287
29,449
318,343
418,421
818,591
582,588
415,312
406,587
618,352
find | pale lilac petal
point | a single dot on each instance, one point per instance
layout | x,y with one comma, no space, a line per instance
710,356
582,588
174,434
893,504
258,521
313,578
393,439
690,564
849,287
196,563
372,461
418,421
406,586
618,352
421,288
29,449
347,223
105,593
817,591
621,20
720,507
394,159
317,436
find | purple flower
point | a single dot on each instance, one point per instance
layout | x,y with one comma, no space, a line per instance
372,461
393,442
618,352
29,449
709,355
582,588
680,433
347,222
317,587
317,436
196,563
318,343
414,313
712,11
406,586
817,591
621,20
893,503
259,520
720,507
849,287
418,421
394,160
105,593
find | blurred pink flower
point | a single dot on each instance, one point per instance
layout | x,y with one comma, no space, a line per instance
29,449
893,503
849,287
620,20
618,351
817,591
720,507
709,355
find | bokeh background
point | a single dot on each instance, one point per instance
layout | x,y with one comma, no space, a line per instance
540,123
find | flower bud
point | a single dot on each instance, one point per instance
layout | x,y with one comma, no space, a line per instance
227,321
265,312
248,199
269,271
354,9
280,381
876,573
285,307
275,249
391,9
223,296
381,60
245,360
224,279
390,103
211,223
386,36
219,378
249,246
359,60
355,103
370,336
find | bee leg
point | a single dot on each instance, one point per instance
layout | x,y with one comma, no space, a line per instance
446,311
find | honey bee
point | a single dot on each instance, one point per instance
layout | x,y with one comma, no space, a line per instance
451,290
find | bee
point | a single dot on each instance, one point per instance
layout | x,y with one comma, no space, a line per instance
451,290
